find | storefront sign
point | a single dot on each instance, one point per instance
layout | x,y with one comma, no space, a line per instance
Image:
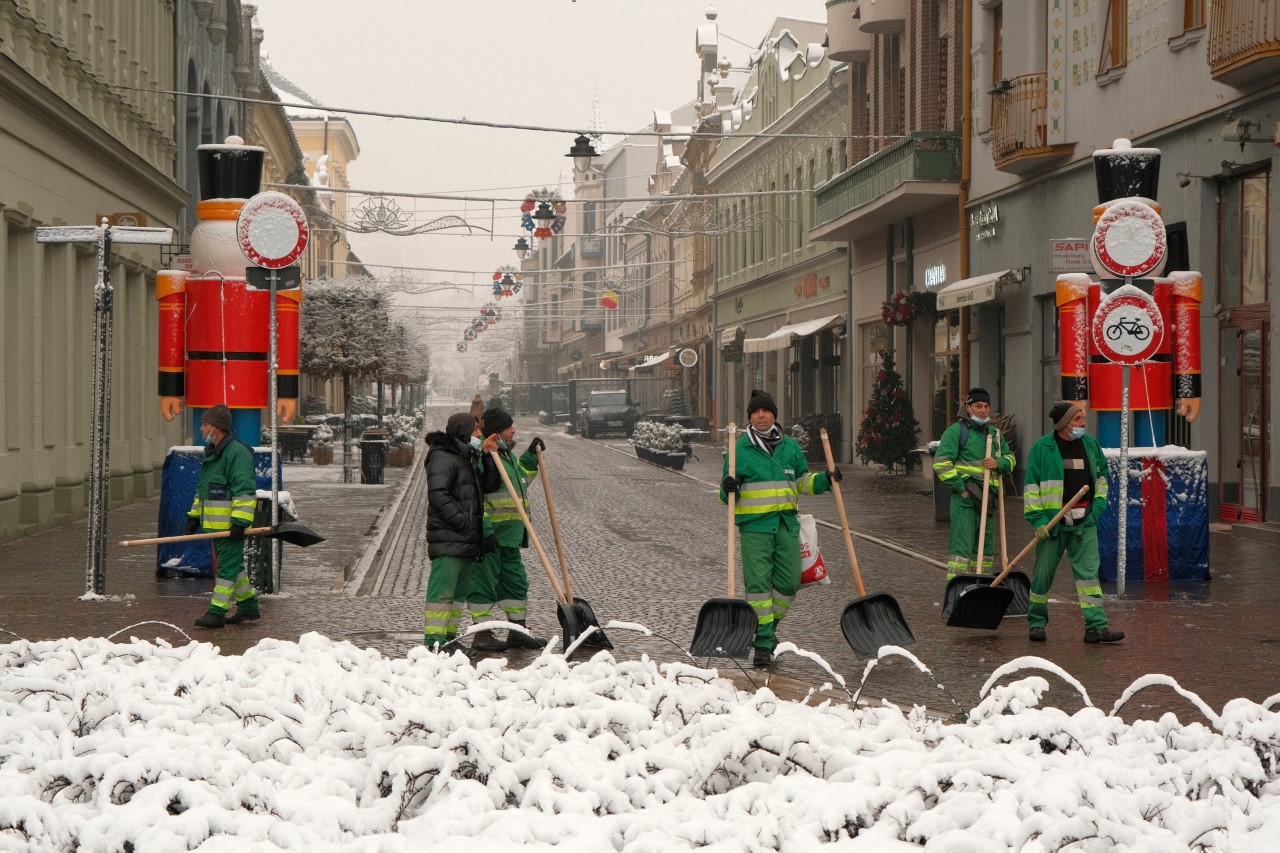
1070,255
733,352
983,221
810,285
935,276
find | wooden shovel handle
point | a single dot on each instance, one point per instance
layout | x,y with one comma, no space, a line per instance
555,527
528,526
1027,550
844,519
191,537
733,472
1004,541
982,518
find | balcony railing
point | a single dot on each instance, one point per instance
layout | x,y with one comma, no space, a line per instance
920,156
1244,41
1019,129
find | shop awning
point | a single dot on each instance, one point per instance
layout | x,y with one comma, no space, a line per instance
976,290
729,335
658,358
785,336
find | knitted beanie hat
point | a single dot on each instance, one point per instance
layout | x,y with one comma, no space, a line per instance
761,400
1062,414
495,420
977,395
218,416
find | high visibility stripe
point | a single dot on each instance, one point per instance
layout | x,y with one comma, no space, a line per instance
781,605
1039,598
514,608
765,497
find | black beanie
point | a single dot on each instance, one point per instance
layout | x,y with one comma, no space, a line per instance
218,416
977,395
460,426
495,420
761,400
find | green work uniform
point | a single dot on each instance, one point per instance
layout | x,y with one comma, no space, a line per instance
766,512
1079,541
956,467
500,584
227,494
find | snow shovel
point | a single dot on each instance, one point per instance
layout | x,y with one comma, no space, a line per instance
982,606
1017,582
726,626
286,531
585,616
564,610
869,621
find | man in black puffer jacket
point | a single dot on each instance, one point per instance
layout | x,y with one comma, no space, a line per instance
458,476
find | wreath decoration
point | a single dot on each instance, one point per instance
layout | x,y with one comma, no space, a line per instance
903,307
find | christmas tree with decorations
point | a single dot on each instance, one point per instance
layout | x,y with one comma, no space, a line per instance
888,429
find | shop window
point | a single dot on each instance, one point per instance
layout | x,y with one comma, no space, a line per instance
1243,243
944,400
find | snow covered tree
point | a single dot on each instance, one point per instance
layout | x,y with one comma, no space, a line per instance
345,333
888,429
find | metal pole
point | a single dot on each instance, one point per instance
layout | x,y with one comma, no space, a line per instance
1122,537
100,431
273,368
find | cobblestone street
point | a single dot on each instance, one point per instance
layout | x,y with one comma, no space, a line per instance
646,545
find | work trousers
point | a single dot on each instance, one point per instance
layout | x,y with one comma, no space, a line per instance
1081,547
499,587
962,547
771,575
446,590
231,580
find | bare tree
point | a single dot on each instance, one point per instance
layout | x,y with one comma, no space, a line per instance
345,332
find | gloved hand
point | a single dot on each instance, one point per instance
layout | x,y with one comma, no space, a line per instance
1042,532
490,544
536,445
193,524
237,533
835,475
729,485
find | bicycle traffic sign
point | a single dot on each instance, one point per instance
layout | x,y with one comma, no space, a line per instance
1127,328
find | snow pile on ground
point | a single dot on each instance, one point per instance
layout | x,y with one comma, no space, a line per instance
321,745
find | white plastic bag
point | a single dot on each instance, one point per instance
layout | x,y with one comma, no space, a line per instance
812,568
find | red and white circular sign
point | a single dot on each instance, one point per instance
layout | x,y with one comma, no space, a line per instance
1127,329
1128,241
272,230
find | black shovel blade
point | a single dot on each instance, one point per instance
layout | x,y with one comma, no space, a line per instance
726,629
1017,582
980,606
568,623
295,534
587,619
873,621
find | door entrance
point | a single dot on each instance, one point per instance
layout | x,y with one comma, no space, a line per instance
1243,422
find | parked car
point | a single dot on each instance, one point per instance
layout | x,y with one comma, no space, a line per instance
608,412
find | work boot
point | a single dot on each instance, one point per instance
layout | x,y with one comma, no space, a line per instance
1106,635
1037,635
763,658
243,616
487,641
522,640
211,620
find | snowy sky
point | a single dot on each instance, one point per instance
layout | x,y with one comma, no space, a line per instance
534,63
318,745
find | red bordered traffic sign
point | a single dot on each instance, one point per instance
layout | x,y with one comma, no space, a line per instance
1127,329
1129,241
272,230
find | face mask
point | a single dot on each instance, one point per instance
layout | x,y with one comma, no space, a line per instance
477,443
1077,432
503,445
979,421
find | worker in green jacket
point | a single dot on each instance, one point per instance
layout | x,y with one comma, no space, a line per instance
771,473
501,585
958,463
1058,466
226,496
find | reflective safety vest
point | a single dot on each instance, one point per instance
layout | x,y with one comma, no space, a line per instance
500,506
770,484
227,492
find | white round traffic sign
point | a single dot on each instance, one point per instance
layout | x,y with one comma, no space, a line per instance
1129,241
272,230
1127,329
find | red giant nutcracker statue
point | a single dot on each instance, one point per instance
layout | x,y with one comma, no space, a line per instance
1130,319
214,328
